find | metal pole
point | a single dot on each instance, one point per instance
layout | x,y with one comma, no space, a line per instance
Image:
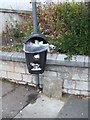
34,16
37,81
34,12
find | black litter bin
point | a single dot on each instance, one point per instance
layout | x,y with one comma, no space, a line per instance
35,48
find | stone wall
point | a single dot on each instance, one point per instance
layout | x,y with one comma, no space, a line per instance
60,76
10,17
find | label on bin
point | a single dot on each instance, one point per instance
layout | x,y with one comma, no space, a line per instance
36,67
37,56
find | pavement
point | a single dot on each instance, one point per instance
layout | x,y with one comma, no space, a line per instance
23,101
44,107
75,108
15,97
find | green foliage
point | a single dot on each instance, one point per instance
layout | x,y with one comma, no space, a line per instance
67,26
19,46
16,47
13,37
18,33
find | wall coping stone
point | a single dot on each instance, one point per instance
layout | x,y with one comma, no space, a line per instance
52,59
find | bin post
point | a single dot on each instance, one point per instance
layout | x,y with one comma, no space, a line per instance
37,81
34,13
34,16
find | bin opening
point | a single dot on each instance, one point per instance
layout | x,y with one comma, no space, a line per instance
34,37
35,48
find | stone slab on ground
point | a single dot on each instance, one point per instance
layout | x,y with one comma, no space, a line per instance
0,100
44,107
7,87
15,97
75,108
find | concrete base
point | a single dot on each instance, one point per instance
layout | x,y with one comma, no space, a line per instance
44,107
51,88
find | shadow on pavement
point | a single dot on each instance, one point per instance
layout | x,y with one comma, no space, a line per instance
15,97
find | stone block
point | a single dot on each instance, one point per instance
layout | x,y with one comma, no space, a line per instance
15,56
61,57
89,77
3,55
51,59
51,56
3,74
20,67
9,56
51,68
80,58
75,61
10,66
15,76
27,78
80,76
88,85
60,69
21,57
27,72
52,87
7,66
65,75
74,92
65,90
89,93
85,93
82,86
69,84
34,81
83,70
50,74
70,69
87,61
1,65
60,75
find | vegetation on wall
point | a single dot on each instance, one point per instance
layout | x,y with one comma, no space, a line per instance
66,25
14,35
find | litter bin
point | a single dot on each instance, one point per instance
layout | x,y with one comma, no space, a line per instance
35,48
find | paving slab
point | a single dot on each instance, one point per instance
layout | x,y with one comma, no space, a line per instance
7,87
0,88
75,108
16,98
0,100
44,107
